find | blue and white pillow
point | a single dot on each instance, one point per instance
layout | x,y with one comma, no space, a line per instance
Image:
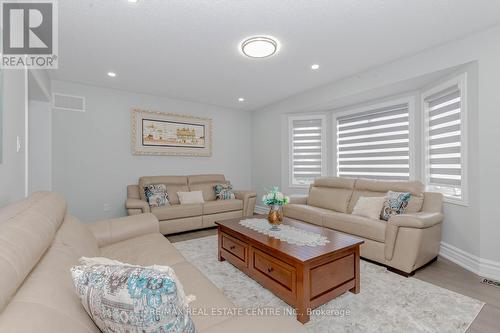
156,195
395,204
126,298
224,192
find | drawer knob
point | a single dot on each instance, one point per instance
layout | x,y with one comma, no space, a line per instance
270,269
232,247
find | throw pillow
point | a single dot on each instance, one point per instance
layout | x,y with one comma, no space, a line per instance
192,197
370,207
395,204
224,192
156,195
125,298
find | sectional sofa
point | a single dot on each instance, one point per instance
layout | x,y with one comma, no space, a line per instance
404,243
39,242
175,217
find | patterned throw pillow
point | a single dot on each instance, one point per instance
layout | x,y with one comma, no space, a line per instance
395,204
224,192
125,298
156,195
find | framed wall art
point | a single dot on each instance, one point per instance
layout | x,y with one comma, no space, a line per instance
158,133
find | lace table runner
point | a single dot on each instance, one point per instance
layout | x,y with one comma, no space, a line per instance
287,233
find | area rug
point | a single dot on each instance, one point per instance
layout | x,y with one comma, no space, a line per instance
387,302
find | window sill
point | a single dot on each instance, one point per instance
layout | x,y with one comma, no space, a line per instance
456,202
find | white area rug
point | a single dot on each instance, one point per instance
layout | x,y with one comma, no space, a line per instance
387,302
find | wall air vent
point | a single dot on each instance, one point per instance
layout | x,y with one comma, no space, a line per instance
68,102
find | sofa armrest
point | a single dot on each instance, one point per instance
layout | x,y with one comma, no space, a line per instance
417,223
420,220
137,204
249,200
298,199
115,230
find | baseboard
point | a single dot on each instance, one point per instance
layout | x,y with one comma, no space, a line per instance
482,267
261,210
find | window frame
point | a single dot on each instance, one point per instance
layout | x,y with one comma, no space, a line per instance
409,100
324,154
461,82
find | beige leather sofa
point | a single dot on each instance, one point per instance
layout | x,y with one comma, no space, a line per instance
177,218
404,243
39,242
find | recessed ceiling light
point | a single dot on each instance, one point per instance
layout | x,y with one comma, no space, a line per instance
241,99
111,74
259,47
133,1
314,67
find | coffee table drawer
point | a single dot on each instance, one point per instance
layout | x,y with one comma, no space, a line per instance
274,269
234,246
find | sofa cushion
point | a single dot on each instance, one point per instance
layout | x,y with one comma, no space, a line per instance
180,225
395,204
156,195
206,189
126,298
335,199
305,213
147,250
208,296
205,184
177,211
46,301
370,207
224,192
356,225
331,193
77,237
192,197
219,206
174,184
373,185
26,231
204,179
414,206
379,188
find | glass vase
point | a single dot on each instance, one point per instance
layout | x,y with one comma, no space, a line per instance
275,216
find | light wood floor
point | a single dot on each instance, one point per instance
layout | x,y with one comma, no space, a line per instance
442,273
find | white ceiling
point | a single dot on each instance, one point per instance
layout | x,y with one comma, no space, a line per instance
188,49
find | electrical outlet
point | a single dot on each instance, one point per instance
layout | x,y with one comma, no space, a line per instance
106,207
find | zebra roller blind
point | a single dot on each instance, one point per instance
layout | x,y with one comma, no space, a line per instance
307,146
375,144
443,130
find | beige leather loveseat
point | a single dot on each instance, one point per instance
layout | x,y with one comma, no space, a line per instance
39,243
404,243
177,218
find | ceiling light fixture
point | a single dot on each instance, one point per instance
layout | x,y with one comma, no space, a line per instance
111,74
259,47
133,1
314,67
241,99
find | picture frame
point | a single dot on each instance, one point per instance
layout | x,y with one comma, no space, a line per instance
159,133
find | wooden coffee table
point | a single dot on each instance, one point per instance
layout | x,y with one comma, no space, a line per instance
305,277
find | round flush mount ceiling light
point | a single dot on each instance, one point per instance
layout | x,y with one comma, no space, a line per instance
259,46
241,99
314,67
111,74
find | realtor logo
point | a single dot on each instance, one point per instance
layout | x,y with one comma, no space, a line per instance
29,34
